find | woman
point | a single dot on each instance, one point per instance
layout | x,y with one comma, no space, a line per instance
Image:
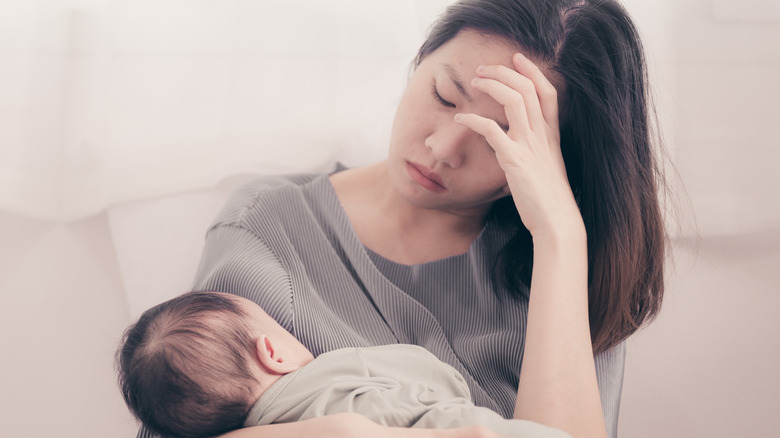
515,221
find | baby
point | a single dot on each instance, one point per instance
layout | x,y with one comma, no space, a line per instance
205,363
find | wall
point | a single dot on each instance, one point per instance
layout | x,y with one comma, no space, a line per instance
704,369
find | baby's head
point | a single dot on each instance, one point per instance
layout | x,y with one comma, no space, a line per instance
193,366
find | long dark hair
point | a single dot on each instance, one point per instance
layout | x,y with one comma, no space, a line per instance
591,51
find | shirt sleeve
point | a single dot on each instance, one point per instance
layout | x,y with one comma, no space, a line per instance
610,365
238,261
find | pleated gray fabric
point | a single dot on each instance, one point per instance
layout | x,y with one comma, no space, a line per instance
286,243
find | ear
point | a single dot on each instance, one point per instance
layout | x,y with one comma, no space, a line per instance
271,358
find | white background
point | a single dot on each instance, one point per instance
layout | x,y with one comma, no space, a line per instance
124,125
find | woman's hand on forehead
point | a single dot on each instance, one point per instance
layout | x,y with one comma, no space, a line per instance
529,151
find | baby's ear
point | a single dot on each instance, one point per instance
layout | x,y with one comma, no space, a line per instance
272,359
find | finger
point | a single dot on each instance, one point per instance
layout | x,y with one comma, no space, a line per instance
513,102
522,85
548,95
495,136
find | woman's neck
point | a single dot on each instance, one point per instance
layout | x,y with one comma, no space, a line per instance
396,229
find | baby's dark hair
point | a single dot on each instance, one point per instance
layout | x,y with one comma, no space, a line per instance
184,368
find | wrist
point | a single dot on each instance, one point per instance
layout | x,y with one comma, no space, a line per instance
566,234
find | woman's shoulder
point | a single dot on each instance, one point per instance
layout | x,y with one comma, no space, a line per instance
266,195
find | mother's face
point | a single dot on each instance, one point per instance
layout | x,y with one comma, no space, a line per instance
435,162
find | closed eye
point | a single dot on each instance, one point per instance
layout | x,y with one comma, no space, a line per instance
441,99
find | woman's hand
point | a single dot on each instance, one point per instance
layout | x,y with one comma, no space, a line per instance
529,152
349,425
558,385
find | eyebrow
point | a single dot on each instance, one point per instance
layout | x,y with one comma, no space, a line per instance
455,78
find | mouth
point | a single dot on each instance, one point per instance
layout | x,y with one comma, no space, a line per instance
425,177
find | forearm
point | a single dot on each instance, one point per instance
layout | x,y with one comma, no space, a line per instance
350,425
558,385
338,425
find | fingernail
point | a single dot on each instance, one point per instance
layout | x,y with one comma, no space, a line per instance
480,69
458,117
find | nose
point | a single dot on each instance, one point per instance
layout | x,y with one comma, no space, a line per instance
449,143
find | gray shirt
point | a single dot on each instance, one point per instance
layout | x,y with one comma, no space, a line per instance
286,243
393,385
